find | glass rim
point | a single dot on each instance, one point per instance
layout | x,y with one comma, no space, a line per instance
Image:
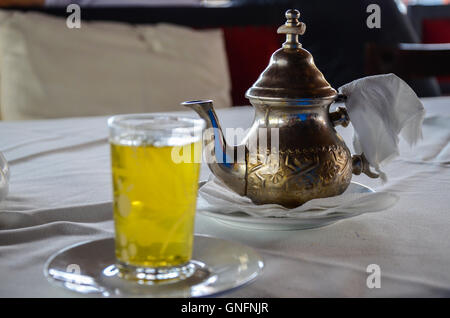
191,124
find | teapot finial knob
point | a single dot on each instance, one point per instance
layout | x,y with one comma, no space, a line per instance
292,14
292,28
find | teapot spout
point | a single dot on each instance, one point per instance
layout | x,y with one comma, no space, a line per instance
228,163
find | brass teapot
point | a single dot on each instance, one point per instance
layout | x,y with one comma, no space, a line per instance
300,156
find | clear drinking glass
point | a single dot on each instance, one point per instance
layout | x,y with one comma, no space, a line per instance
155,168
4,177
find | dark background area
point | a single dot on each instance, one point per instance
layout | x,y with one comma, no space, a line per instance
336,34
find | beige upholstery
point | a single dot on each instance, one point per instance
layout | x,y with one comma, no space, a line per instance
50,71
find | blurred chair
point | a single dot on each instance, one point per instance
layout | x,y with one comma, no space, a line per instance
417,64
424,19
432,24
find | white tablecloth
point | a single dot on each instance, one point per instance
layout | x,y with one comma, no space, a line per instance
60,194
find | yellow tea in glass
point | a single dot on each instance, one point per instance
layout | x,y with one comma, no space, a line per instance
155,168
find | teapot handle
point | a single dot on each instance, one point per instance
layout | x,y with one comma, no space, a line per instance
340,116
359,162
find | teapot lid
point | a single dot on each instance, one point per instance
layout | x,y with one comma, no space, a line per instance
291,73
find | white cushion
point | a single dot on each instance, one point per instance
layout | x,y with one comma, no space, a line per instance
51,71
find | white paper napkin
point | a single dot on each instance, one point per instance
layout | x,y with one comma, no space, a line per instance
381,108
215,196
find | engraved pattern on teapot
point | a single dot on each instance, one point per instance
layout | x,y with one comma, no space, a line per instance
298,171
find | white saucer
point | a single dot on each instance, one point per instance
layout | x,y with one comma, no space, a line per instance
243,220
87,268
